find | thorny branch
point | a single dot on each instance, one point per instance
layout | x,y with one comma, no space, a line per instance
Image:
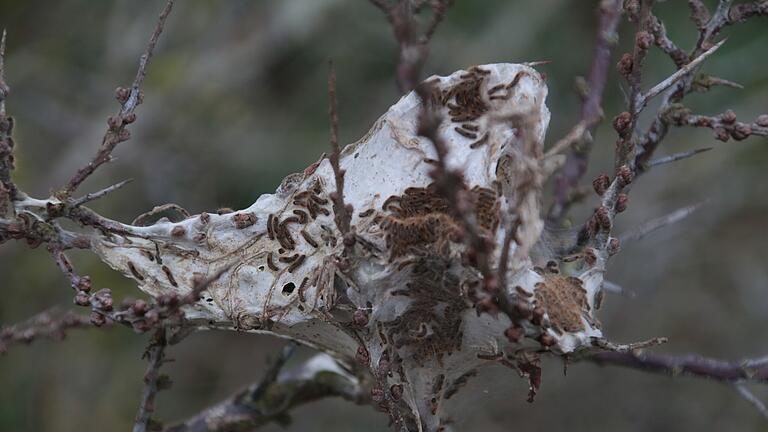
753,370
709,25
153,382
129,99
342,212
50,324
567,180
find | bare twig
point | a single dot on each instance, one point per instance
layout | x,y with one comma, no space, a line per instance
658,223
724,126
750,397
631,67
677,156
624,348
342,212
733,373
153,382
93,196
50,324
129,99
677,76
688,365
567,180
615,288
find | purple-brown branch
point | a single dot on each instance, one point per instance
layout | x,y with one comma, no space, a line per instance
129,99
50,324
153,382
709,25
724,126
688,365
341,211
577,161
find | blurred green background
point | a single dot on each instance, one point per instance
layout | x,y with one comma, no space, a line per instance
236,99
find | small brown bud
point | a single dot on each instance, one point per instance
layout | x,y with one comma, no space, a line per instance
178,231
514,334
129,118
83,283
643,39
728,117
139,307
523,310
601,183
632,8
360,318
762,120
741,131
122,94
396,391
622,122
546,340
625,176
362,356
621,203
721,134
205,218
224,210
538,316
82,299
114,122
613,246
98,319
625,64
124,135
103,299
603,218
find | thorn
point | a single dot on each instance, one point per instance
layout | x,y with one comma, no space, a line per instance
658,223
677,156
607,345
677,76
615,288
537,63
725,83
98,194
750,397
